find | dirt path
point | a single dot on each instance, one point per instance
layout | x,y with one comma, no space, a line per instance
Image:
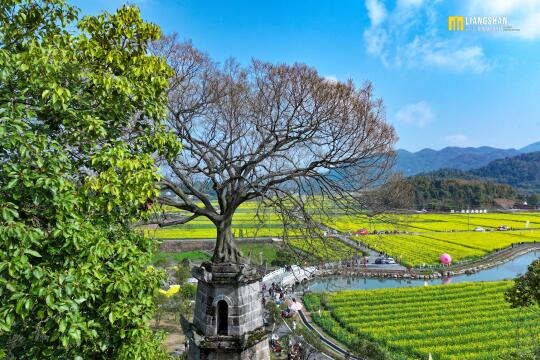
174,337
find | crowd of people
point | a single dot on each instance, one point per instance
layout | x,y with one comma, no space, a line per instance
276,293
282,296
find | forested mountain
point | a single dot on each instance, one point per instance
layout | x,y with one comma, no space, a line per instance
522,171
449,174
454,189
516,177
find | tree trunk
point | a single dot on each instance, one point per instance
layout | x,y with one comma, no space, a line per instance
226,250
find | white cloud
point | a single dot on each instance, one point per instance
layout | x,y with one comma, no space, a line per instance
409,35
446,55
376,11
376,39
405,3
419,114
522,14
331,79
457,140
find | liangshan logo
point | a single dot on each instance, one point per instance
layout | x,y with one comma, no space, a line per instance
455,23
479,24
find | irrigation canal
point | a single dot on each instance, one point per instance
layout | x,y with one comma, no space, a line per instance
505,271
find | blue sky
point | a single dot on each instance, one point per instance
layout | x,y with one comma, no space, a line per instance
440,88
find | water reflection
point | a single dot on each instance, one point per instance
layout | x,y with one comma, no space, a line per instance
508,270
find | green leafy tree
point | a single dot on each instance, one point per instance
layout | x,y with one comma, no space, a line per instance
369,349
526,289
284,257
81,105
186,298
533,199
182,274
179,304
526,293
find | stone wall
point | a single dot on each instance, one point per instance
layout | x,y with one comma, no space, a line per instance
244,307
235,290
260,351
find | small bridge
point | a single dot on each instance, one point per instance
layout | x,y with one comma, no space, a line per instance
295,274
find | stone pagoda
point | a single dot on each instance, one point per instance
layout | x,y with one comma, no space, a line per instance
228,318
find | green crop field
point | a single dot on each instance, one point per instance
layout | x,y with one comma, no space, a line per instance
269,224
260,252
208,231
425,248
329,250
423,236
436,222
455,322
167,257
246,223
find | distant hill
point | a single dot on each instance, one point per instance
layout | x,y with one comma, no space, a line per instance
426,160
522,171
456,189
531,148
513,178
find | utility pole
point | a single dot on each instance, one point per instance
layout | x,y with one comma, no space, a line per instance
468,218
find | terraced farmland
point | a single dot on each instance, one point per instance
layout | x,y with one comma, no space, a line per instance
425,248
463,321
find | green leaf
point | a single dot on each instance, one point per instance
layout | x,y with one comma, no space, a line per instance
32,252
49,300
62,326
11,184
38,273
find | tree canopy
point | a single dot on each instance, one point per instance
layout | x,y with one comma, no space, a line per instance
526,290
526,293
282,134
81,104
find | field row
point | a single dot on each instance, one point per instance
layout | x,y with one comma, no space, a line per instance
464,321
247,223
328,249
422,237
260,252
436,222
408,249
422,249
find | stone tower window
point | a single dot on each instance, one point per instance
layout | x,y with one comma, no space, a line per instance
222,317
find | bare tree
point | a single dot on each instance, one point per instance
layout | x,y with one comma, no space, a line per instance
282,134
